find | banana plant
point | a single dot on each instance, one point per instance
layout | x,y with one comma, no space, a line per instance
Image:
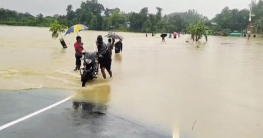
57,30
197,31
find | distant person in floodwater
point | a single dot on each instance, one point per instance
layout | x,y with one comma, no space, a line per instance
146,35
78,52
163,38
118,46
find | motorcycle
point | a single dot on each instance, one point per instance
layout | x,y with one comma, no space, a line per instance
90,69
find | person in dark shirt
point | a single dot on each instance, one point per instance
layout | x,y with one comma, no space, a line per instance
118,46
104,57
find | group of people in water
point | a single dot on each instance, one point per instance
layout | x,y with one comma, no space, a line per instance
104,53
175,35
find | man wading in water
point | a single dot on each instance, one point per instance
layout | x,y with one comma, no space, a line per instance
104,57
118,46
110,46
78,52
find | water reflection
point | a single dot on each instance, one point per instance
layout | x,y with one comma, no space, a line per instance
118,57
63,51
92,100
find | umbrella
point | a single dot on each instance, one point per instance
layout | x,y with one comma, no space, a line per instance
110,33
113,36
76,28
163,35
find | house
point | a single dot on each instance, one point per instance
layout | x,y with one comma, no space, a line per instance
128,24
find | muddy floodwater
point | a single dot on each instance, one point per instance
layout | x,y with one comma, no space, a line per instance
214,91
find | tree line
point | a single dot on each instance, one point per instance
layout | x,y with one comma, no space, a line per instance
238,20
97,17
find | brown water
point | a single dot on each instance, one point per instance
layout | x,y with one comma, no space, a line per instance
168,86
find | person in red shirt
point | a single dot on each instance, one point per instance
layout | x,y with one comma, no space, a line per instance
78,52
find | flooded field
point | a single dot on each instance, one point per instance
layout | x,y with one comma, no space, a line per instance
214,91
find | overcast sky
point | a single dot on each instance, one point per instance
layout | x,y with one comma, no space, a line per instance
50,7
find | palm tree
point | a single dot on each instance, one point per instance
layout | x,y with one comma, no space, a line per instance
56,30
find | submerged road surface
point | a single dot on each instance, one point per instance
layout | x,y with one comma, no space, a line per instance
61,121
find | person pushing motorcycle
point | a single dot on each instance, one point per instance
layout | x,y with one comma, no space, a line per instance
104,57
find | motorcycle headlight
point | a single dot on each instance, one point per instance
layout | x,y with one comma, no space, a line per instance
88,61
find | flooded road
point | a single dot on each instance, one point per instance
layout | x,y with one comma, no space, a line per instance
168,86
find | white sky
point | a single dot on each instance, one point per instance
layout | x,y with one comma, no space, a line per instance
50,7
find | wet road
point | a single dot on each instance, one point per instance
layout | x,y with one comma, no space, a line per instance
63,121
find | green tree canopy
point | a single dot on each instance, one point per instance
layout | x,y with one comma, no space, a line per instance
97,17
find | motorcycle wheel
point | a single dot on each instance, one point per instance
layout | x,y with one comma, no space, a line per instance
84,79
82,76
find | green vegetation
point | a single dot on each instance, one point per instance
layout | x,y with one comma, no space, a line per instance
9,17
56,30
97,17
197,31
234,20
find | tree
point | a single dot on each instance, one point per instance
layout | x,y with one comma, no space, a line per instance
232,19
190,16
136,21
93,23
161,25
177,23
259,25
147,26
106,24
154,22
89,13
107,12
70,12
93,6
83,17
197,31
99,22
69,8
117,18
117,10
159,13
56,30
89,17
144,11
56,16
40,17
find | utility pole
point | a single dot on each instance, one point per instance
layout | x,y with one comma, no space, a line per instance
250,18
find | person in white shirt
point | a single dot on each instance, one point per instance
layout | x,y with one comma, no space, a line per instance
110,46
